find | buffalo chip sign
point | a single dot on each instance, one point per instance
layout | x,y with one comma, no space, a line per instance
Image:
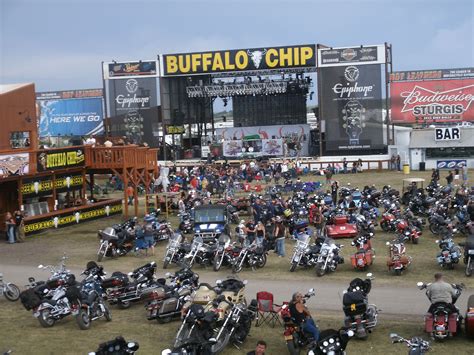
448,134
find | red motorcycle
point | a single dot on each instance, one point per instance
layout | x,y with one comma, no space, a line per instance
469,319
296,339
364,255
388,222
442,319
397,261
411,233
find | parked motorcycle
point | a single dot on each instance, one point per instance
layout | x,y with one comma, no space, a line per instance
222,257
450,253
364,256
360,316
295,337
468,254
175,251
332,341
9,290
122,291
442,319
166,302
304,255
416,345
253,256
200,253
397,261
328,257
113,244
118,346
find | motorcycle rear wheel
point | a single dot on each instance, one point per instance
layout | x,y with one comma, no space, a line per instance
45,318
398,272
164,320
83,320
221,343
107,314
469,267
11,292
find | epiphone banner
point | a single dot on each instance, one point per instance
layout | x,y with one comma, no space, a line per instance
435,74
127,95
235,60
432,101
352,107
330,57
58,159
137,68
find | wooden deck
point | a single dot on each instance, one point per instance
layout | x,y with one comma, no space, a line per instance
121,157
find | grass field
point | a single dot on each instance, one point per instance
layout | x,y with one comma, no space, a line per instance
23,334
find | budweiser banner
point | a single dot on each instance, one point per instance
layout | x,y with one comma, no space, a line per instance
133,69
352,107
342,56
237,60
432,101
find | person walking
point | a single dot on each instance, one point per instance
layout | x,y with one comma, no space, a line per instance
130,192
399,161
10,224
280,232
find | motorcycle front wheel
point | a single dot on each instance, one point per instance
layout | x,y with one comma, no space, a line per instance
469,267
11,292
320,271
218,259
107,314
123,304
83,320
101,254
261,261
45,318
221,343
236,268
293,267
292,348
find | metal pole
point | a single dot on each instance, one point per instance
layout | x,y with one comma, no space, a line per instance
320,106
106,106
390,101
162,111
387,79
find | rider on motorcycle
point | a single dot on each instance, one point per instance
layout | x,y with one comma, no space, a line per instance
441,292
301,316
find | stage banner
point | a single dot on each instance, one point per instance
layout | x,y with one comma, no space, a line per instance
57,159
352,107
432,101
295,137
131,69
14,164
343,56
433,74
451,163
75,116
237,60
232,149
272,147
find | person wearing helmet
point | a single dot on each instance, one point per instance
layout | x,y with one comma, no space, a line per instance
279,233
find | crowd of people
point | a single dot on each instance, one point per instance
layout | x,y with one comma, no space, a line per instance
15,227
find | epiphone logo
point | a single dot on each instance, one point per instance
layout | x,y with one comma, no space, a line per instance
422,101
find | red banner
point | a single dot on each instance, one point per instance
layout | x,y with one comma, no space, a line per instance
432,101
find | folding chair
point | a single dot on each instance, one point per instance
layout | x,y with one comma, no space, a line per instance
268,312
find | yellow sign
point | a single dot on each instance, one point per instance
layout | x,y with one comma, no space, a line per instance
175,129
300,56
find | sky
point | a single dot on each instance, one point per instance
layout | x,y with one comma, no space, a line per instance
59,45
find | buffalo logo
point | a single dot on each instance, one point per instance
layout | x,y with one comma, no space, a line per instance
256,57
131,85
348,54
351,73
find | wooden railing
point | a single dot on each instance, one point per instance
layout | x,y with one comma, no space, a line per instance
121,157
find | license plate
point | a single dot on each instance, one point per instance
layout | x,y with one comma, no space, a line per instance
471,252
288,337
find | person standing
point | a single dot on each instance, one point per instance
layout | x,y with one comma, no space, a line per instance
10,224
456,176
250,230
130,192
449,178
328,174
344,165
399,163
334,190
279,233
464,173
260,233
20,227
148,234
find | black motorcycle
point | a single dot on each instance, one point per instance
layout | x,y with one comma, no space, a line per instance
468,254
122,291
332,342
416,345
253,256
117,240
118,346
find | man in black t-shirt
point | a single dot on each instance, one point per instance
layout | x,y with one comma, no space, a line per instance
19,226
250,229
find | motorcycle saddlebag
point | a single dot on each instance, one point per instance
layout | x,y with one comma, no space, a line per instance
469,322
428,323
169,305
452,323
354,303
29,299
73,294
117,280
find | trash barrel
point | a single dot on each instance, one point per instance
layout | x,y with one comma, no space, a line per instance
406,169
422,166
